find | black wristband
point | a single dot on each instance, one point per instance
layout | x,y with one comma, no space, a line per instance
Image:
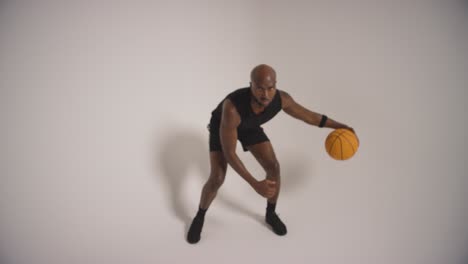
323,121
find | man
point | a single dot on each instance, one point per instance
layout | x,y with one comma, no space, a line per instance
238,117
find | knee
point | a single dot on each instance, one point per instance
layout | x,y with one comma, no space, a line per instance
216,180
273,168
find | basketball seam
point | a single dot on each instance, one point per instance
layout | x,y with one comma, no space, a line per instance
331,147
337,136
349,143
341,148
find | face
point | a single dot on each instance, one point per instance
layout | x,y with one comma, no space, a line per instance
263,91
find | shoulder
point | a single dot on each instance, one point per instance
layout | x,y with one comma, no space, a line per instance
239,92
238,95
230,115
228,106
286,99
284,95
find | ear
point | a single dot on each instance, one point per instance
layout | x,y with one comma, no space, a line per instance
250,84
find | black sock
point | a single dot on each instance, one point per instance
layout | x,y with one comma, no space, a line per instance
274,221
271,207
201,212
196,227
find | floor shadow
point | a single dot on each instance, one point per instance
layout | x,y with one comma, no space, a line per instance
296,171
181,150
178,152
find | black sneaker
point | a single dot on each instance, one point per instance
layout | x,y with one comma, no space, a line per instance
193,235
276,224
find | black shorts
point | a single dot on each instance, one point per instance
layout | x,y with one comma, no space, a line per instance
246,137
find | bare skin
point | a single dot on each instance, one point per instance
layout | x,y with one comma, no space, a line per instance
263,88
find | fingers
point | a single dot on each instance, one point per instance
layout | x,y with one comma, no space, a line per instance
351,129
268,190
271,188
270,183
269,194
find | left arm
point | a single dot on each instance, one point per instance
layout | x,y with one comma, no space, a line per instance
296,110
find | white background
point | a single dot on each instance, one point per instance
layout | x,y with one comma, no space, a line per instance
104,147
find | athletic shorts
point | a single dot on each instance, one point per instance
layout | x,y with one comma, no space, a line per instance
246,137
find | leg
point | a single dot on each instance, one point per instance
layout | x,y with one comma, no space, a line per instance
216,179
264,154
210,189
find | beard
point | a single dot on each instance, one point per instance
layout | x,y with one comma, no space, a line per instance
260,102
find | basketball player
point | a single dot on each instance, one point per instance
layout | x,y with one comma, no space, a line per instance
238,117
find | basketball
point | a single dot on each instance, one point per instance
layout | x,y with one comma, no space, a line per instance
341,144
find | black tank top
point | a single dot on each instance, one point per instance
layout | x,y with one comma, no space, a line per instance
249,120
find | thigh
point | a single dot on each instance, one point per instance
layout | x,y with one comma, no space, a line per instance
252,137
264,154
214,140
218,164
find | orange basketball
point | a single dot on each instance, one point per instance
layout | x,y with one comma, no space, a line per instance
341,144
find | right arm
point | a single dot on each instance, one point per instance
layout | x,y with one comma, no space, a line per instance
230,120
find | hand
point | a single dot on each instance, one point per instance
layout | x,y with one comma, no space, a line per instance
352,130
265,188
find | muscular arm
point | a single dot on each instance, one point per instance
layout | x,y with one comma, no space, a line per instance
230,120
296,110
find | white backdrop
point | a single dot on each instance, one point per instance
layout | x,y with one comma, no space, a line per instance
104,148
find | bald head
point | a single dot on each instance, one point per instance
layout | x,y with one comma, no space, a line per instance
263,84
263,73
